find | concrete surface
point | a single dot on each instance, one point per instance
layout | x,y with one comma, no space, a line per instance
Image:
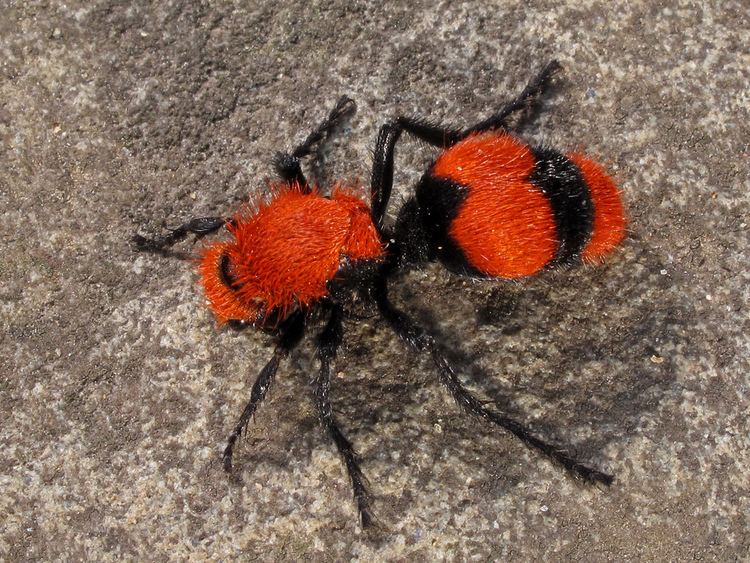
117,390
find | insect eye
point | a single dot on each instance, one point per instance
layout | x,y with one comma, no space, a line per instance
228,273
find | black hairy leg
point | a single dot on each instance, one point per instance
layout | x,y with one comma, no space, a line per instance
522,104
444,137
327,344
420,341
288,164
381,178
290,334
432,133
200,227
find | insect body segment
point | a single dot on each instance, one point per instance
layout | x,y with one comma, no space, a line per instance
282,256
500,224
496,207
608,227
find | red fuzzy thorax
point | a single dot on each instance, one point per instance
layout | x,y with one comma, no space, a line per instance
282,256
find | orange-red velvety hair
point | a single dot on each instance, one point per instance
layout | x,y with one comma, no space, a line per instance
505,227
284,253
609,215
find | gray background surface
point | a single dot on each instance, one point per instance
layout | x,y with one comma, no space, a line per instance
117,390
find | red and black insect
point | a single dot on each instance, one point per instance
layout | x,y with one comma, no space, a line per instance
490,206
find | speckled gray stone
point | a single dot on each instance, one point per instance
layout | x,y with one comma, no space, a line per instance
117,390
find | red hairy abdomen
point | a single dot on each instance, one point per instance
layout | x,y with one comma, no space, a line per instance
283,255
609,215
505,227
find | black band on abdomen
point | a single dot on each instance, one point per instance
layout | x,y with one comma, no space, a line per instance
561,181
440,200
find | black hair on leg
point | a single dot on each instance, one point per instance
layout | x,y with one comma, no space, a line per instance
290,333
420,341
432,133
523,102
200,227
444,137
381,179
327,344
288,164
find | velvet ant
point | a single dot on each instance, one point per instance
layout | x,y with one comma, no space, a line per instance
490,206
